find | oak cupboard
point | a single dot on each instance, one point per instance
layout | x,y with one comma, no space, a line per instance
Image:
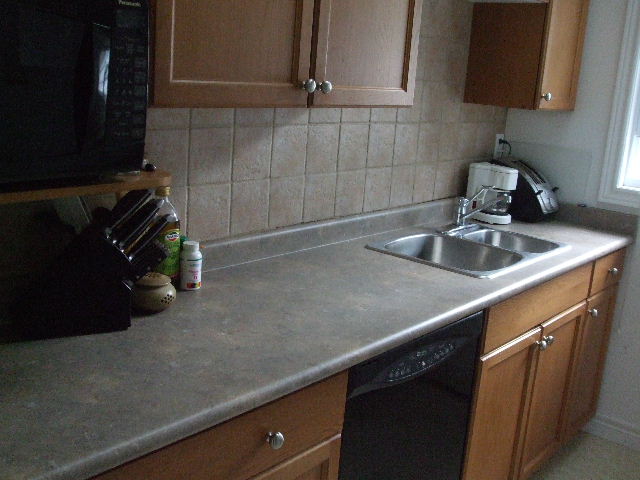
539,381
247,447
258,53
526,55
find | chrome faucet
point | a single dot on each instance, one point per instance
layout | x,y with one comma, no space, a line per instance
463,212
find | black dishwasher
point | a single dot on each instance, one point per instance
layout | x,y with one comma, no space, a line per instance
408,409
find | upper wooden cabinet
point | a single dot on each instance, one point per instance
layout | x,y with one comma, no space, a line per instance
216,53
526,55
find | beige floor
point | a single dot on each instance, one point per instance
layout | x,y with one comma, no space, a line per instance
591,458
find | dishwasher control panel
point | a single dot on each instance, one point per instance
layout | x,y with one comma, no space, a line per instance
424,358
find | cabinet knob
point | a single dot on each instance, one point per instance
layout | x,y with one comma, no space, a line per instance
614,271
325,87
542,344
547,96
309,85
594,312
550,339
275,440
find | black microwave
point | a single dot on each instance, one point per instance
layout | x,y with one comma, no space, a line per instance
73,87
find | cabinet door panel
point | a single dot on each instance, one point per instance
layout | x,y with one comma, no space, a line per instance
590,358
501,402
563,53
318,463
543,433
213,53
367,68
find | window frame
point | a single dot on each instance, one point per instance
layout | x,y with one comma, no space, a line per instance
623,114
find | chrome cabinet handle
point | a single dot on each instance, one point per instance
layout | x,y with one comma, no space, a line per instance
550,339
614,271
325,87
309,85
275,440
594,312
542,344
547,96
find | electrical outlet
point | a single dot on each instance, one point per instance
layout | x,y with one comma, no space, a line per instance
498,148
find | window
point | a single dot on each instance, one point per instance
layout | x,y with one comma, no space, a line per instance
621,174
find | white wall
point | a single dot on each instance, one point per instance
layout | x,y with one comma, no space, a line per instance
569,148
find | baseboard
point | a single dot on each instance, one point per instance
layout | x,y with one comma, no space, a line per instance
615,430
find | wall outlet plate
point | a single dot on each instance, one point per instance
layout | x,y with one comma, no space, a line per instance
499,148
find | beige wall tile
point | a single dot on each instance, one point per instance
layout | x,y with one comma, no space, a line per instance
424,183
352,154
402,180
356,115
325,115
432,102
350,192
435,53
449,146
285,201
208,215
167,118
252,117
428,140
319,197
249,206
405,150
169,149
211,117
289,151
377,190
292,116
251,153
210,155
451,179
467,138
322,148
384,114
382,138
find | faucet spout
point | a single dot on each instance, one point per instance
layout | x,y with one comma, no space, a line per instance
463,212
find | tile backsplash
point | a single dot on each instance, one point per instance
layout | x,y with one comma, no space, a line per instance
237,171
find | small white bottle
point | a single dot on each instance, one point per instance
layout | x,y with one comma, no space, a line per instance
190,266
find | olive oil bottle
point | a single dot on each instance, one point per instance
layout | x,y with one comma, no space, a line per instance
169,237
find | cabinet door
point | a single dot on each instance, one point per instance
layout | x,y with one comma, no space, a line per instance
502,397
318,463
368,50
217,53
566,26
543,434
590,358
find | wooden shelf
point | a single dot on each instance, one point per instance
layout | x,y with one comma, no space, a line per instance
125,183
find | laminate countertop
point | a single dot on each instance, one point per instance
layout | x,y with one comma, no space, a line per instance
74,407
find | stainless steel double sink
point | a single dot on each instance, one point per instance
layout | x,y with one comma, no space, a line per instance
476,251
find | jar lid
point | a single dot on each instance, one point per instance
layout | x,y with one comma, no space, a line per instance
153,279
163,191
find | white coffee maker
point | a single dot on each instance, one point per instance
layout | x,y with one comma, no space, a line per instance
501,180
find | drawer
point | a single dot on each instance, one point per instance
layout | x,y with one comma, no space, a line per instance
514,316
237,449
607,271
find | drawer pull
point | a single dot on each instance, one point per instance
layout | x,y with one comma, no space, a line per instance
542,344
614,271
594,312
275,440
550,339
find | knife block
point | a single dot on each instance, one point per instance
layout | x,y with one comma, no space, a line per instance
85,291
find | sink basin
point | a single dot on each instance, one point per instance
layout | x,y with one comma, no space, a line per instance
477,251
451,253
511,241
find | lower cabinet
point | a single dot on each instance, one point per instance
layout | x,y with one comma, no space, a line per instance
535,392
294,438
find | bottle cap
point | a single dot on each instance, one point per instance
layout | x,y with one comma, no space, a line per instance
163,191
191,246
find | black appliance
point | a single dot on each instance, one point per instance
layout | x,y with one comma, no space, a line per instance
88,288
534,199
73,87
408,409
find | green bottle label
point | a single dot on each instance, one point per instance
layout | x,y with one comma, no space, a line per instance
170,266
